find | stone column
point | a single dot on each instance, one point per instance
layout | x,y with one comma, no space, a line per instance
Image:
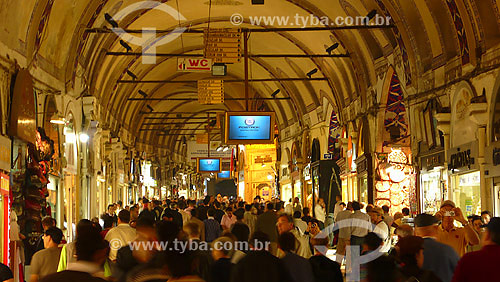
478,113
443,125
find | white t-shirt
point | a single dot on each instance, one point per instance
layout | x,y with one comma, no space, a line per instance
118,237
337,209
382,230
319,212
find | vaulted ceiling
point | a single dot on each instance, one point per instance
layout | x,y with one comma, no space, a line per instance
428,34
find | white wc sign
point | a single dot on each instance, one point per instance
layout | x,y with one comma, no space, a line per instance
194,64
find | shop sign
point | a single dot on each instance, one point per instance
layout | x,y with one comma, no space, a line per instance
342,165
463,157
307,172
4,184
197,150
23,110
492,158
5,151
361,164
433,160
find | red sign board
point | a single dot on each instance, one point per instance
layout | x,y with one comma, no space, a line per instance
194,64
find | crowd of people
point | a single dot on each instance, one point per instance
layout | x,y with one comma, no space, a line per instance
220,239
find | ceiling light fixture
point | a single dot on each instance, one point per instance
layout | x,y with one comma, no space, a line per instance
309,74
370,16
275,93
330,49
225,149
219,69
84,137
132,75
126,46
110,20
58,120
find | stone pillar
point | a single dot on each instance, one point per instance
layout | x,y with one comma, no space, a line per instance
478,113
443,125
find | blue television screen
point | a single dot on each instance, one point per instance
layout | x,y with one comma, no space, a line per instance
224,174
209,165
249,128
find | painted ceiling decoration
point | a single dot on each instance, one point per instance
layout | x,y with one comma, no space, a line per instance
333,132
459,27
395,112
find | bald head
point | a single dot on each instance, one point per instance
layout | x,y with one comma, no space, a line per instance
427,231
404,230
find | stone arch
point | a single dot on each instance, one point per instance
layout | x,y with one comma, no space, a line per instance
462,129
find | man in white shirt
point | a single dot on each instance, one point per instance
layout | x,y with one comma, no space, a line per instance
319,211
338,208
285,224
120,235
299,223
289,207
359,226
381,228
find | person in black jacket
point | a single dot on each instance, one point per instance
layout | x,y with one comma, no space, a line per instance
324,269
222,267
259,264
148,211
411,255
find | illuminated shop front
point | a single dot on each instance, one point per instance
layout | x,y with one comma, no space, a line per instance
465,188
149,186
348,176
493,175
295,174
433,182
396,186
258,171
364,165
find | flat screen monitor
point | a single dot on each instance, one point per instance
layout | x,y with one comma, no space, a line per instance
224,174
209,165
249,127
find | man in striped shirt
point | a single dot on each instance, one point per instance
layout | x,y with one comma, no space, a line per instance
212,226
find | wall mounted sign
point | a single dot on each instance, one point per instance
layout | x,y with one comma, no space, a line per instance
431,161
361,164
463,158
211,91
23,109
222,45
194,64
5,151
492,158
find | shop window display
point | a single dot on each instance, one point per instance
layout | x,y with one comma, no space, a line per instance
30,190
467,192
